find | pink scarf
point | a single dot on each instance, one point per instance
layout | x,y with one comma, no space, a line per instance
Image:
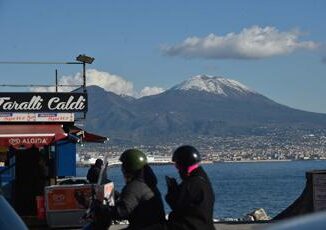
192,168
189,169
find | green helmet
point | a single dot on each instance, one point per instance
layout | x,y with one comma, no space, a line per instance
133,160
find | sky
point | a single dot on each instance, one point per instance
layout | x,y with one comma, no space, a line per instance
143,47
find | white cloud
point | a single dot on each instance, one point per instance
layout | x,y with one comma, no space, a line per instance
110,82
251,43
43,89
148,91
105,80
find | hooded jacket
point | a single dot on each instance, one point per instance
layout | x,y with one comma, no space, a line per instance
140,201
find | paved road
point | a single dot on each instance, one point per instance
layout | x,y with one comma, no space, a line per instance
222,226
37,225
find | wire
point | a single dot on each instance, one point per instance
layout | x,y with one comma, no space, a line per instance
38,62
7,85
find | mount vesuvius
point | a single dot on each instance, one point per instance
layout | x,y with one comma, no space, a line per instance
200,106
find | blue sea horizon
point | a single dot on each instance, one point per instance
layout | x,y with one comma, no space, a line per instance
241,188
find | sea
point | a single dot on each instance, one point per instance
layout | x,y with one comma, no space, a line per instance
241,187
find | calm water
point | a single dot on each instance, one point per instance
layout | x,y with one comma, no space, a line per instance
242,187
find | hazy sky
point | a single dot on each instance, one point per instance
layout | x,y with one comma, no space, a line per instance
275,47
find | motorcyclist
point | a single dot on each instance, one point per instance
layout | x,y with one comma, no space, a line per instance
192,200
140,201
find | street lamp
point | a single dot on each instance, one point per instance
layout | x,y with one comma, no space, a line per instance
84,59
81,59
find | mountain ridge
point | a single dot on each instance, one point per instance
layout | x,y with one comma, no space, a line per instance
184,113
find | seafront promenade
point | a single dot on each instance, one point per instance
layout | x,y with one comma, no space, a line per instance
221,226
218,226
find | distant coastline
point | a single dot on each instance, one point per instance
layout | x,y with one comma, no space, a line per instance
266,160
87,164
253,161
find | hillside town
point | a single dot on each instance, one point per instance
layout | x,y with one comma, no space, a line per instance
286,146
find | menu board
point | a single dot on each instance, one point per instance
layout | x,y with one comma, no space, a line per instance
62,197
37,117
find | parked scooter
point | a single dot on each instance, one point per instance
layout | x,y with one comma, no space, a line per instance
94,217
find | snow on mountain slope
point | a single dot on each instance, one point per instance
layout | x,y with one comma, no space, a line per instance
215,85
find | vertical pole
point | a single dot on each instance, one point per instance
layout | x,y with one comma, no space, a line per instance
84,82
56,80
84,76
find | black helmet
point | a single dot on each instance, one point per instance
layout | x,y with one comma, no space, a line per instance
133,160
186,156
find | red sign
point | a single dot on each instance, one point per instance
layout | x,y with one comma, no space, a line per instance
27,142
64,198
26,136
30,140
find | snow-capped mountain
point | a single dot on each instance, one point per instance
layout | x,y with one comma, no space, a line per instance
216,85
200,106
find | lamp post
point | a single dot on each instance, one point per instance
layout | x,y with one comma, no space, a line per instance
80,59
84,59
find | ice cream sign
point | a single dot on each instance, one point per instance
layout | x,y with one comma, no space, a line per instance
30,141
43,102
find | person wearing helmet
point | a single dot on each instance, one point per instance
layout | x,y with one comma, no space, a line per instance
140,201
192,200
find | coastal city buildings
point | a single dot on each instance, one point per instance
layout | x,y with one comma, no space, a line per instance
286,146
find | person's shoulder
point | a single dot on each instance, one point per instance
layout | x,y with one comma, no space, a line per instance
193,180
91,169
136,190
135,185
199,177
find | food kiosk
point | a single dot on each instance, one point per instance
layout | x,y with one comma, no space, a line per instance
38,140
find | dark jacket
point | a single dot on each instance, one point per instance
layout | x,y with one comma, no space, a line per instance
140,202
93,174
192,203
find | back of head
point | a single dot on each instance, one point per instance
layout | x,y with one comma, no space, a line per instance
99,162
133,160
186,156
